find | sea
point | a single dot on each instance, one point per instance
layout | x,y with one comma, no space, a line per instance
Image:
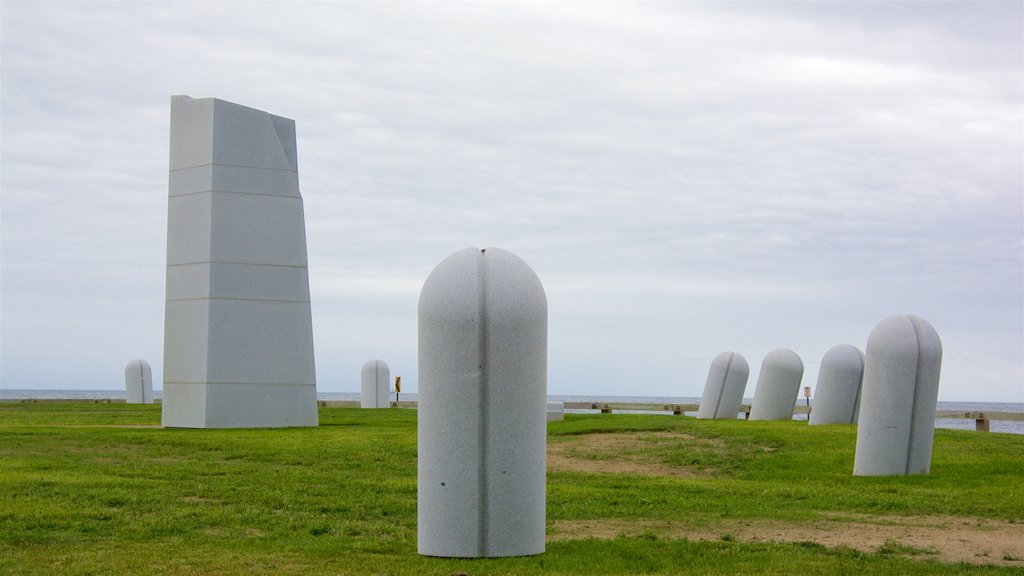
1003,426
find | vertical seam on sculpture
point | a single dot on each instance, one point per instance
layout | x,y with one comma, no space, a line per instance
856,399
915,401
142,379
482,340
721,390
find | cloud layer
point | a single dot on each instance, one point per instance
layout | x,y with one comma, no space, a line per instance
684,178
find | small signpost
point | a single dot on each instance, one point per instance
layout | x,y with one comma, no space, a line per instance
398,388
807,395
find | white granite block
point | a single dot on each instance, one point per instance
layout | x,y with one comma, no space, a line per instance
238,344
837,394
186,342
556,411
777,386
187,181
255,229
138,382
249,405
375,380
483,393
184,404
260,342
191,132
247,137
189,219
896,425
723,391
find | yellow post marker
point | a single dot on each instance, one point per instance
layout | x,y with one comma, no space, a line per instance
398,387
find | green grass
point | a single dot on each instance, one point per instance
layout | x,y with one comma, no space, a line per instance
88,489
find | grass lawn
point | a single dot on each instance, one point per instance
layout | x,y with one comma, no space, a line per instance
101,489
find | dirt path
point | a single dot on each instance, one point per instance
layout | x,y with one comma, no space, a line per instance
978,541
946,539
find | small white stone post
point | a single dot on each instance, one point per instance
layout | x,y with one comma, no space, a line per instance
556,411
138,382
837,394
482,431
898,400
723,392
375,379
777,386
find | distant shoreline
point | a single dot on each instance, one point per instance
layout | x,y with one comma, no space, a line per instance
1006,427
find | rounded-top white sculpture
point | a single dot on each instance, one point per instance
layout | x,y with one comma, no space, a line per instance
138,382
482,407
777,386
723,392
898,400
374,381
837,394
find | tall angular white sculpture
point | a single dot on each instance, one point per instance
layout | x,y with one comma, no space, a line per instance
777,386
138,382
723,391
482,397
837,394
375,379
898,400
238,338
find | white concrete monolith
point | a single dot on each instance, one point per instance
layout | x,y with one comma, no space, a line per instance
898,398
723,391
837,394
777,386
375,380
138,382
482,431
238,337
556,411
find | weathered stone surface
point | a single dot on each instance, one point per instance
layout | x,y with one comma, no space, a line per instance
896,425
777,386
482,395
238,338
837,393
723,391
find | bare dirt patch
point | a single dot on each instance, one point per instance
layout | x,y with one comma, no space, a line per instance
946,539
622,453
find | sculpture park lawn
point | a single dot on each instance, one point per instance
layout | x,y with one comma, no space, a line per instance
102,489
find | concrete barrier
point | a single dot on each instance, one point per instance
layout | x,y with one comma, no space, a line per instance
723,391
777,386
899,397
375,379
138,382
482,431
837,394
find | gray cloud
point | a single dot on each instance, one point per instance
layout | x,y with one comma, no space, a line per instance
685,178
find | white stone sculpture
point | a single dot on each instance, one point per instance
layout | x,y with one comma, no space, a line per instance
556,411
375,379
238,338
723,391
482,432
777,386
898,399
837,394
138,382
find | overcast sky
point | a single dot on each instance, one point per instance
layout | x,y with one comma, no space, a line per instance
684,178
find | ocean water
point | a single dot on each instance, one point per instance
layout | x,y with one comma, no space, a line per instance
1004,426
